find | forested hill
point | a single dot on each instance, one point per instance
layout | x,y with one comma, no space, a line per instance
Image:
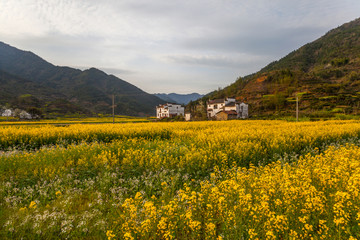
325,74
25,77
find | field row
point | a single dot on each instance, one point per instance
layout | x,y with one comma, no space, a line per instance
271,133
193,148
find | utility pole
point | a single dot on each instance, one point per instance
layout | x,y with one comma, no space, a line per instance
113,107
297,108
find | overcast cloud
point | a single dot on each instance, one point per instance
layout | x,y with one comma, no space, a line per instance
169,46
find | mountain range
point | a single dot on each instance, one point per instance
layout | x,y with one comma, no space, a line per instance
29,81
324,75
179,98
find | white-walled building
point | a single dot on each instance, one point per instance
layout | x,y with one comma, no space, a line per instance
243,110
226,105
188,116
169,110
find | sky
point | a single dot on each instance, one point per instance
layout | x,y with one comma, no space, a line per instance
165,46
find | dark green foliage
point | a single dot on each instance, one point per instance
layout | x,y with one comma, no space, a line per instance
353,76
338,62
275,102
35,112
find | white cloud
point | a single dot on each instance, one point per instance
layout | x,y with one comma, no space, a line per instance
165,44
227,61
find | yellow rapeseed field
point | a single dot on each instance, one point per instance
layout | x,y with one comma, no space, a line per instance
183,180
315,198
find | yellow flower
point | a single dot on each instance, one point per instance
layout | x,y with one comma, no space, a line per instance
211,229
138,196
270,235
110,234
32,205
128,236
252,233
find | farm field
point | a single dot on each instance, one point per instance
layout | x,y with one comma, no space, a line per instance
183,180
73,120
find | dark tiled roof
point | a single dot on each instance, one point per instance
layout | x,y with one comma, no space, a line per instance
228,112
231,112
230,104
215,101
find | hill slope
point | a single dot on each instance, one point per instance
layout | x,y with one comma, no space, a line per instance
90,90
325,74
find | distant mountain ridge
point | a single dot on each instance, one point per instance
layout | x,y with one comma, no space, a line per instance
88,91
179,98
325,74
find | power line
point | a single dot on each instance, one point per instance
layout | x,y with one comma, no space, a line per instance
297,108
113,107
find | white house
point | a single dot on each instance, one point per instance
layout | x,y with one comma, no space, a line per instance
242,110
226,105
169,110
187,116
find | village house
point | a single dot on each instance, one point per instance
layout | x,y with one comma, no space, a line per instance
226,115
225,109
169,110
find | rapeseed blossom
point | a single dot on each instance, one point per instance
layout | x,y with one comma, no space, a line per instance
276,201
197,180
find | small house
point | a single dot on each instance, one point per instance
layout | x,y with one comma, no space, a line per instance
227,106
169,110
226,115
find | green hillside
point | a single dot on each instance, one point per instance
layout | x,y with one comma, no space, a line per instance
325,74
67,90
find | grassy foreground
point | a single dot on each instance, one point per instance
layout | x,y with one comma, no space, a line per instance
201,180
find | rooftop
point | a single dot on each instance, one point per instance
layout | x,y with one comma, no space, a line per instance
215,101
232,112
230,104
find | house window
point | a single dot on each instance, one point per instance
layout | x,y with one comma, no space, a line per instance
242,108
215,106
